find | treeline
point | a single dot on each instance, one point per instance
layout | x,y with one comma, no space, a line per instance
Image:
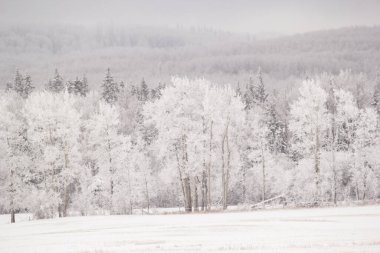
68,149
158,53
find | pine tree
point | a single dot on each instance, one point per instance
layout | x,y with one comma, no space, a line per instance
56,85
376,95
255,93
143,93
78,87
22,86
111,89
17,84
248,96
277,140
258,90
238,90
83,88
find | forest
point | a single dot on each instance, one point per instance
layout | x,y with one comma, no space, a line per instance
70,149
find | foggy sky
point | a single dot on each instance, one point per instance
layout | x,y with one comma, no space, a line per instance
251,16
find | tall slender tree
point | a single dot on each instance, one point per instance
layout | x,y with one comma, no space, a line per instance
111,89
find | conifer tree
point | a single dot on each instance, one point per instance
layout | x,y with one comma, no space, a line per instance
22,86
83,88
255,93
78,87
376,95
258,93
111,89
143,93
56,85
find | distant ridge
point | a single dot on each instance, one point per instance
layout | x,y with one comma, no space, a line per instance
157,53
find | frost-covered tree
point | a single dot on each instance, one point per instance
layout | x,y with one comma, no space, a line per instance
109,152
143,92
78,87
111,89
308,125
376,95
189,130
15,157
255,92
56,85
365,155
54,131
21,85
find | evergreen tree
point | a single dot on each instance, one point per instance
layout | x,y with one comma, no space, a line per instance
248,97
22,86
259,94
156,93
111,89
255,93
376,95
56,85
78,87
238,90
83,88
8,87
277,139
143,92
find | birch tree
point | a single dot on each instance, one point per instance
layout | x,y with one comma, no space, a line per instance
308,124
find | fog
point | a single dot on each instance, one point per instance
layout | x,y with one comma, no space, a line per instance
257,17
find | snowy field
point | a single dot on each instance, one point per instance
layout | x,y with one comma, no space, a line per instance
349,229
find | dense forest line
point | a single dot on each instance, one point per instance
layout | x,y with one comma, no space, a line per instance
159,53
67,148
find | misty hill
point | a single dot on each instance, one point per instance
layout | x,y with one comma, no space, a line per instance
157,53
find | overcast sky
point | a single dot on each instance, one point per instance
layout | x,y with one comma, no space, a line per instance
252,16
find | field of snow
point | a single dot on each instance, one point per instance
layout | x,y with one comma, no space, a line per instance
348,229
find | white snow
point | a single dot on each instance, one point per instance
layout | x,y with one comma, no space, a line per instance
350,229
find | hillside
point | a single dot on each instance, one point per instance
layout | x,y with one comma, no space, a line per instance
158,53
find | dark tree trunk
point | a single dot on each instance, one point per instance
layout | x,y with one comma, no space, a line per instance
13,216
204,191
196,205
188,204
65,203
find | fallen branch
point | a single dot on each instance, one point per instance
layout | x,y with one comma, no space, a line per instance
268,200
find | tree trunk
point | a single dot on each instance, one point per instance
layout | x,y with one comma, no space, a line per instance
65,202
244,184
196,205
188,204
12,192
364,184
13,216
333,146
147,190
180,174
225,166
317,162
223,176
111,170
209,171
228,167
130,191
204,191
334,174
263,170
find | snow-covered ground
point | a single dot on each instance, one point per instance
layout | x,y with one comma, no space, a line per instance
349,229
